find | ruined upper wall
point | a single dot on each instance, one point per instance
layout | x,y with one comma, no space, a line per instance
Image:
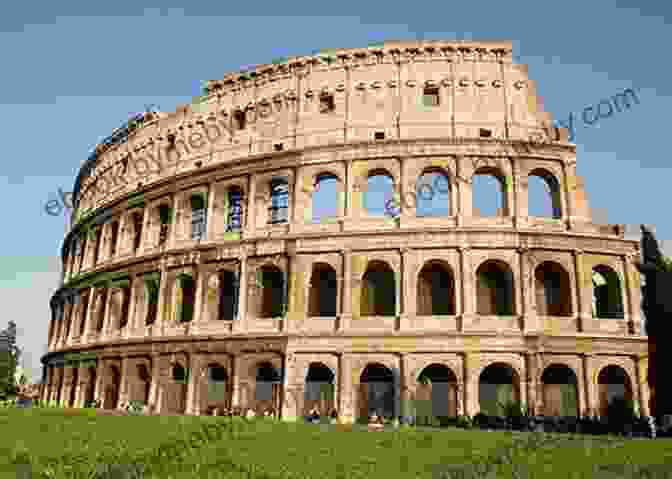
378,89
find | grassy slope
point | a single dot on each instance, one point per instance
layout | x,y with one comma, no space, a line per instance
71,444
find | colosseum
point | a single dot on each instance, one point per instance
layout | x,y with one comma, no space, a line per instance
241,252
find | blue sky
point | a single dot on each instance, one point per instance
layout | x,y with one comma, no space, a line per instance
72,73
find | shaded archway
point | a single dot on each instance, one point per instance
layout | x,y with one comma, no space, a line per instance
559,391
378,291
323,291
177,401
73,389
495,289
436,290
613,383
376,391
268,386
186,298
498,385
145,382
111,398
607,296
218,388
552,290
90,393
319,389
436,393
272,294
228,295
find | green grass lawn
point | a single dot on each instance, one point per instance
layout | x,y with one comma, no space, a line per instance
71,443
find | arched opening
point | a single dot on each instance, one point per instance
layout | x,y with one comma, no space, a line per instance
217,396
560,391
432,193
495,289
164,214
272,283
323,291
319,391
84,298
436,393
613,383
101,306
228,295
379,190
488,193
498,386
90,393
136,221
278,211
198,217
186,298
378,295
268,387
145,380
607,298
151,299
325,197
543,195
112,390
114,237
73,389
436,290
553,291
177,402
376,391
235,209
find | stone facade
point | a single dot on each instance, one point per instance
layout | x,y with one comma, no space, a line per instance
176,305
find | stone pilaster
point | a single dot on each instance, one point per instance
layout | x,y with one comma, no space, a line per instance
192,407
463,192
346,291
527,307
123,382
642,386
292,389
250,211
199,294
468,293
235,382
406,304
515,193
633,295
349,382
583,304
164,297
154,385
240,324
532,365
589,386
296,307
470,389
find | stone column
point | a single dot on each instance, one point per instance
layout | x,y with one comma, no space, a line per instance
568,168
349,382
527,310
296,306
250,217
583,305
468,293
210,214
153,387
532,364
67,386
347,210
175,232
291,387
346,291
235,382
463,192
470,387
201,289
193,408
241,321
642,388
515,196
107,318
633,295
164,297
405,406
406,304
123,381
591,406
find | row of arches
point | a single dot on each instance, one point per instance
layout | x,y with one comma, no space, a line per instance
435,393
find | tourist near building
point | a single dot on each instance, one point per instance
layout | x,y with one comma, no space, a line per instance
199,276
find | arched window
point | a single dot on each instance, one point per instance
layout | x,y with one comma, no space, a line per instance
553,291
325,195
165,213
499,385
185,305
198,217
378,295
432,194
235,208
379,192
228,295
543,195
114,237
278,211
607,298
323,291
136,220
488,193
151,298
273,294
494,291
436,290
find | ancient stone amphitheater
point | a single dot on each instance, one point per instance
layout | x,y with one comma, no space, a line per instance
198,273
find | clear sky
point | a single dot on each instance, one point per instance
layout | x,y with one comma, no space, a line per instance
72,73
